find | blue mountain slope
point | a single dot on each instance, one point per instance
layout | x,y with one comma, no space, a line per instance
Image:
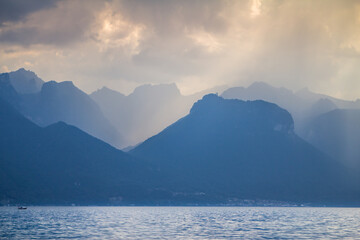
245,150
56,102
61,164
337,133
145,112
25,81
65,102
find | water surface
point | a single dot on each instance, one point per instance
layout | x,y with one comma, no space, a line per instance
179,223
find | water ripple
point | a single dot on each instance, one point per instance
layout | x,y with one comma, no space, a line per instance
179,223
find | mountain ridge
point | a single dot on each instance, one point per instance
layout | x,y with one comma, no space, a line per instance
60,164
60,101
243,149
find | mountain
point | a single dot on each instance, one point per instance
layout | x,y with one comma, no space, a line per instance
145,112
58,102
283,97
338,133
263,91
303,105
245,150
340,103
25,81
65,102
61,164
319,107
7,91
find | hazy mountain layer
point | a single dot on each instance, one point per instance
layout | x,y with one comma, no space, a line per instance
145,112
245,150
65,102
25,81
338,133
224,150
60,164
303,105
58,102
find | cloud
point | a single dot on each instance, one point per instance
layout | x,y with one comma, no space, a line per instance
65,23
299,43
169,18
197,44
17,10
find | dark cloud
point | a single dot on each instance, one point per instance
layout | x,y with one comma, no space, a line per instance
172,17
66,23
31,35
16,10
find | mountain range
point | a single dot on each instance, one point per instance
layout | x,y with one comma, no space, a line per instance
58,145
328,123
303,105
60,164
246,150
55,102
25,81
144,112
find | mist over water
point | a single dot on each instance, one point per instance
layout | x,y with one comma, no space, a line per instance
179,223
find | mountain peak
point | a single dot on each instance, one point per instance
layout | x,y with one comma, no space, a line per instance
25,81
211,99
262,86
105,90
264,115
21,70
245,149
65,85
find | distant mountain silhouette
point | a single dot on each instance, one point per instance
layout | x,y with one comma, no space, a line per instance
340,103
338,133
245,150
146,111
321,106
303,105
65,102
25,81
224,150
57,102
7,91
61,164
261,90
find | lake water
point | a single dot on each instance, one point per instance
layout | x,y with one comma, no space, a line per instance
179,223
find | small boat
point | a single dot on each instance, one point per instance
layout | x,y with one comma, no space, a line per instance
22,208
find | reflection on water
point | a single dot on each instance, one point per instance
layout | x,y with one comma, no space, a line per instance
178,223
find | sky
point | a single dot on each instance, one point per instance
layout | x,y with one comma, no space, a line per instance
196,44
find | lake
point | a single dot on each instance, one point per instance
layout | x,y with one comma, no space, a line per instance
179,223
